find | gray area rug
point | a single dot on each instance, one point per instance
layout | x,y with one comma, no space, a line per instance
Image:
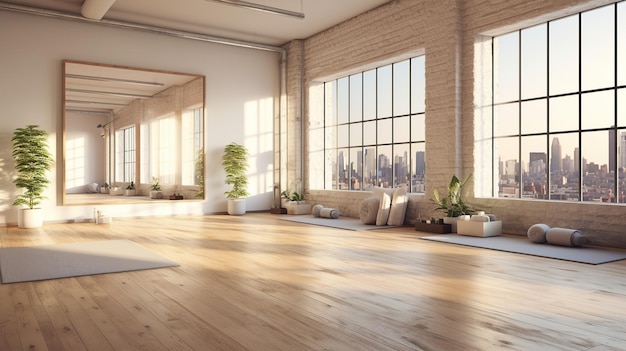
522,245
347,223
32,263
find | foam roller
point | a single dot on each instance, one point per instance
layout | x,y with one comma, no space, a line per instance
329,213
537,233
565,237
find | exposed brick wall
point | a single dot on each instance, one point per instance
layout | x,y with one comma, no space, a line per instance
294,133
446,31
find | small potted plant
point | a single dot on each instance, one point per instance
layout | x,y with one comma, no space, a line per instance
130,189
295,203
32,161
155,190
294,200
452,204
104,189
235,163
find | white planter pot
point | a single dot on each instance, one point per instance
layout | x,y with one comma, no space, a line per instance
156,194
236,207
116,190
30,218
130,192
481,229
295,208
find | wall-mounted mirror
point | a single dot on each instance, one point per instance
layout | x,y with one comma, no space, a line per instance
126,125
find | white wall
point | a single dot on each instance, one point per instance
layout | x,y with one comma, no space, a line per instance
241,87
84,151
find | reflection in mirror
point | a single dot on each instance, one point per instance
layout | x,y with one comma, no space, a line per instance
129,127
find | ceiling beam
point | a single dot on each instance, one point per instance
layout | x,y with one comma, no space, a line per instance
95,9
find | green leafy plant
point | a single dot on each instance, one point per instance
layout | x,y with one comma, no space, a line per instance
131,186
32,161
155,184
199,173
294,192
453,204
294,196
235,162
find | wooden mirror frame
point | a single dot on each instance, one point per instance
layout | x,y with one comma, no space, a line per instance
160,114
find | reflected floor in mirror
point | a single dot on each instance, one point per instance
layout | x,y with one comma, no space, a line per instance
100,199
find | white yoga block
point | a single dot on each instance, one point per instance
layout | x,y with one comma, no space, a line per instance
481,229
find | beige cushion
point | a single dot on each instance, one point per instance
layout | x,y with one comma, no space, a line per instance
383,209
369,210
385,195
398,207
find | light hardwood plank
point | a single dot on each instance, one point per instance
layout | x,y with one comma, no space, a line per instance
256,282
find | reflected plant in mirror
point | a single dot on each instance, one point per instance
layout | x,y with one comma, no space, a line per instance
126,125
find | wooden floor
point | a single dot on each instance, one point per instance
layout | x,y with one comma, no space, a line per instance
256,282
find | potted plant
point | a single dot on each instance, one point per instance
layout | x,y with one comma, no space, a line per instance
452,204
130,189
295,203
32,161
235,163
155,190
104,189
199,173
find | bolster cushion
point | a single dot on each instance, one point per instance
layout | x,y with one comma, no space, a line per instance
316,210
537,233
566,237
329,213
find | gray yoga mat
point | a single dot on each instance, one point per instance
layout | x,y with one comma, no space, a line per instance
522,245
347,223
32,263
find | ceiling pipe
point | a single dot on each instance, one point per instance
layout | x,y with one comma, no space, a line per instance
141,27
262,8
282,108
95,9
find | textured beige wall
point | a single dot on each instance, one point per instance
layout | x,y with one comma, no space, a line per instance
446,31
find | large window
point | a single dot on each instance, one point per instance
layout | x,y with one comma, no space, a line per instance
558,109
125,159
373,128
167,146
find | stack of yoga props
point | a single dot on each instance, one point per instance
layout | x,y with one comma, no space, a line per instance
325,212
542,233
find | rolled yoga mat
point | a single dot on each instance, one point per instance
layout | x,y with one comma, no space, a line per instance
566,237
316,210
329,213
537,233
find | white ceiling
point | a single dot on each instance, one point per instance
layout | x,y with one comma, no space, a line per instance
223,20
102,89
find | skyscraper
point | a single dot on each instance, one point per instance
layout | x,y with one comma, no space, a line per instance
622,150
556,163
612,150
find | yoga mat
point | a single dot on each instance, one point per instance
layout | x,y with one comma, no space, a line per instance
347,223
32,263
522,245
